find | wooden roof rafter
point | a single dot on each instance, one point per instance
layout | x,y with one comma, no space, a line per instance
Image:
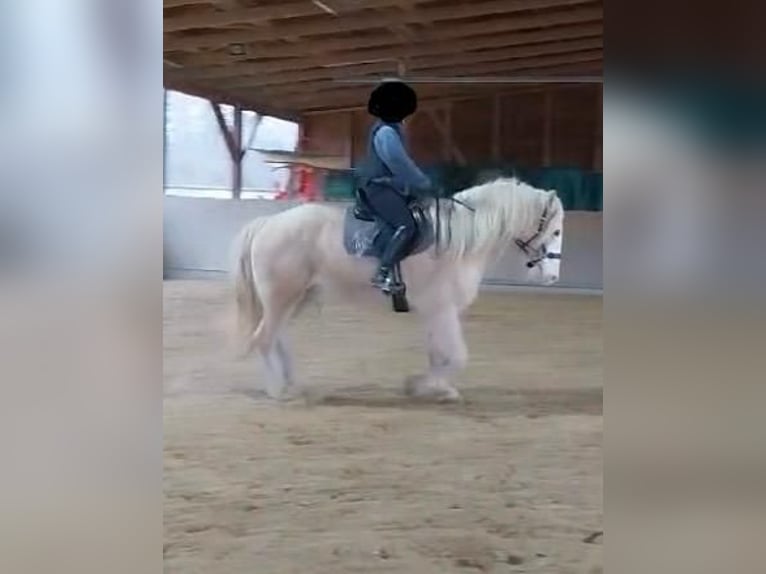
365,19
288,56
431,101
419,65
357,100
216,64
318,88
345,94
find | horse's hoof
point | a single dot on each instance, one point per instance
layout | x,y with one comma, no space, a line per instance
450,395
284,393
418,386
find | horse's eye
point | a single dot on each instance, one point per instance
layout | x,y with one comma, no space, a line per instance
557,233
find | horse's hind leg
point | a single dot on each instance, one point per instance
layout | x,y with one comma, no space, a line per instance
285,361
270,340
279,378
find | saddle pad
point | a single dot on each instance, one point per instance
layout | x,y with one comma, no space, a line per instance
369,238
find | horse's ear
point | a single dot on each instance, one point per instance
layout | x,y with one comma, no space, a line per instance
550,196
553,199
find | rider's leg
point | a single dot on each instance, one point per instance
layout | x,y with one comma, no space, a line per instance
392,254
392,208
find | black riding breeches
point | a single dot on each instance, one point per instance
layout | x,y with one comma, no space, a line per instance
391,207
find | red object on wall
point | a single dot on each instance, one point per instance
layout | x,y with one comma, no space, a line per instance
308,183
304,182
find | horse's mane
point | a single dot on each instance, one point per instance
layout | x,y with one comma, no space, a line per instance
505,208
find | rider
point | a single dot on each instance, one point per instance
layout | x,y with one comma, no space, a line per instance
391,178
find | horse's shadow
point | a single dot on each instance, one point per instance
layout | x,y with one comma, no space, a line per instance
529,402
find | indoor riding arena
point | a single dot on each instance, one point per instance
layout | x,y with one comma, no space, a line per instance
356,476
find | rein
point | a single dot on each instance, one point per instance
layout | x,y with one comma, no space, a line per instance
438,219
468,207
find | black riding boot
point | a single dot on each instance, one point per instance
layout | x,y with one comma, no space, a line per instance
385,278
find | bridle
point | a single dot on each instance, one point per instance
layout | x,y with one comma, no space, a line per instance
539,254
536,256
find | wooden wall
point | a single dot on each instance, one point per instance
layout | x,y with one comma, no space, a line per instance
552,127
328,134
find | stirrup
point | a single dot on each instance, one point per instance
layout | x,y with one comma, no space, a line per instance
392,287
390,284
382,277
387,283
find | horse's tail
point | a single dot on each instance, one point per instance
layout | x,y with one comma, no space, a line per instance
248,303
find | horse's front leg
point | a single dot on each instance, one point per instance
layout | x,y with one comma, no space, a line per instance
447,355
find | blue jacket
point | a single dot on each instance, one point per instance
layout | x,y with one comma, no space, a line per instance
388,158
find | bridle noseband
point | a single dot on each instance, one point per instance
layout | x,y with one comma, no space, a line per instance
536,256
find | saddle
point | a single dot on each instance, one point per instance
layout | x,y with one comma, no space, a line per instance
365,236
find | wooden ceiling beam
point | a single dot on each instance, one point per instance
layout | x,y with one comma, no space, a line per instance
220,64
261,14
466,67
564,49
415,65
428,99
179,3
352,23
327,91
299,76
587,13
441,99
569,68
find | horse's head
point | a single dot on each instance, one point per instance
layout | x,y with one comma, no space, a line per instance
505,210
543,246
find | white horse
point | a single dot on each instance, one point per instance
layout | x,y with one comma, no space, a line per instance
281,259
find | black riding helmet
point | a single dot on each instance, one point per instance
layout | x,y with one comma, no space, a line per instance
392,101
